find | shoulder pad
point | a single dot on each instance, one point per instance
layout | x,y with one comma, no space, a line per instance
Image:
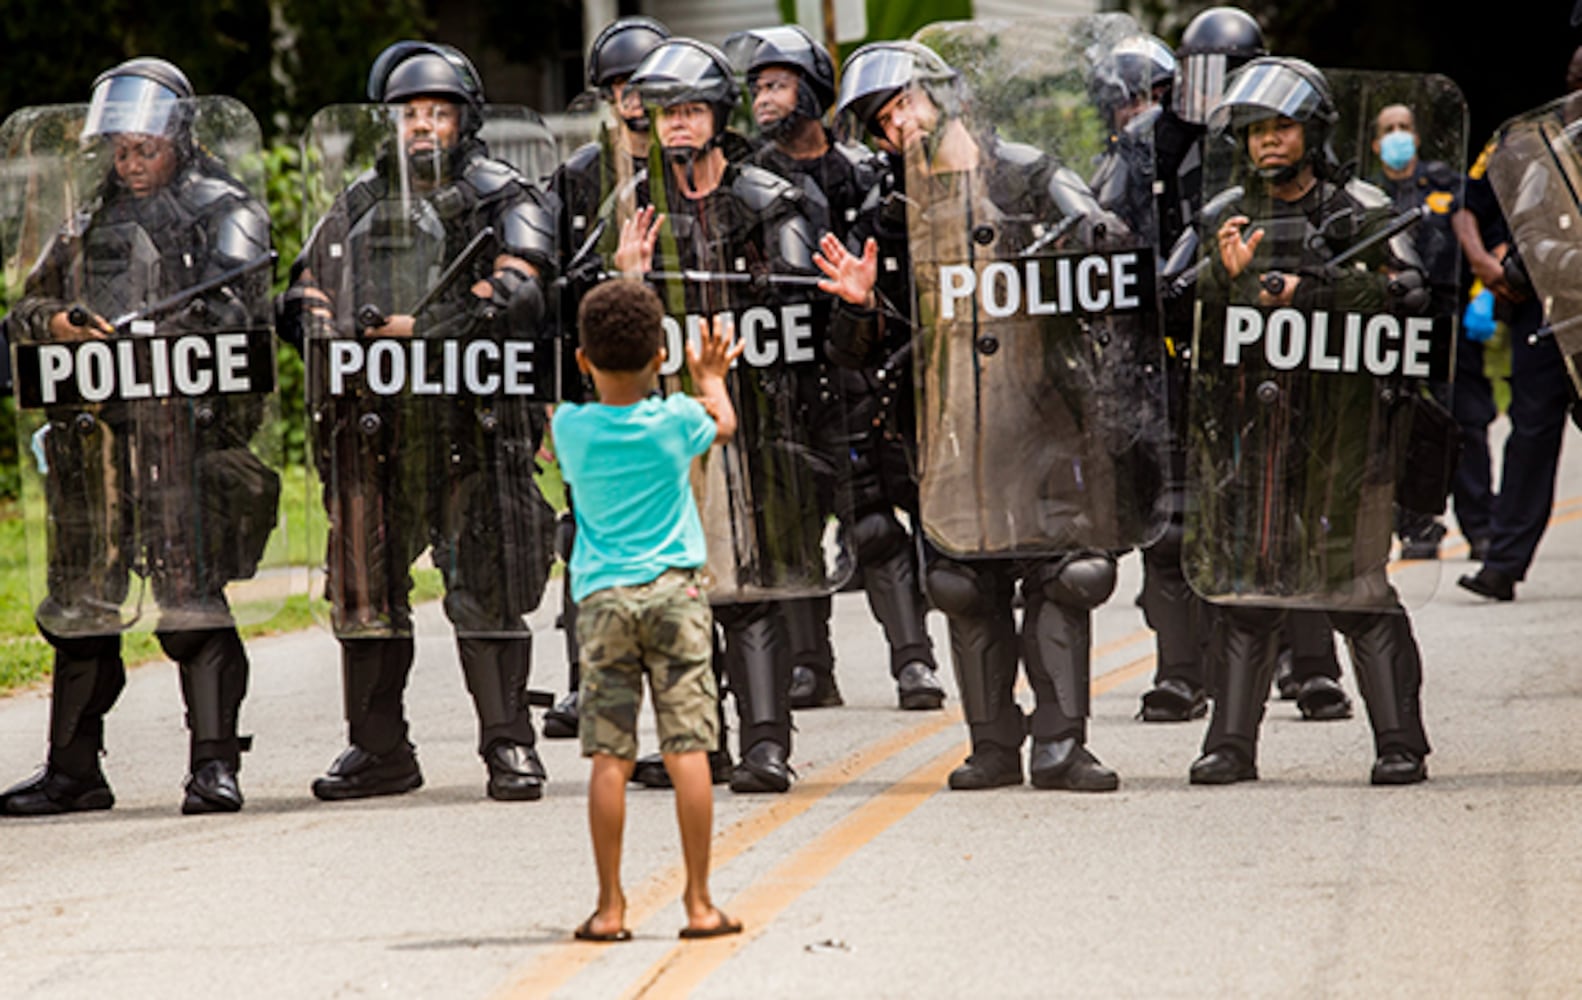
489,177
760,188
200,191
241,235
866,165
581,167
584,157
527,228
1367,195
1017,154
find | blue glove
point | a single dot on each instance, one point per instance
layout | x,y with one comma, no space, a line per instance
1478,321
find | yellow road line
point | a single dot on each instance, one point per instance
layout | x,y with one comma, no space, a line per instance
558,966
686,966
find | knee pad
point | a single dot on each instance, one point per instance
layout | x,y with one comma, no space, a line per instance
182,646
1167,548
954,589
877,536
83,647
1082,581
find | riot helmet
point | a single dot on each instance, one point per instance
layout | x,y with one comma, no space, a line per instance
1280,87
617,52
621,47
1215,43
1137,66
426,69
686,71
791,47
879,71
142,96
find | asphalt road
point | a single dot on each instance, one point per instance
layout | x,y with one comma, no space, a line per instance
869,878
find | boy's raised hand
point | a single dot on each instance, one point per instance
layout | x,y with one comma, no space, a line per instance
716,350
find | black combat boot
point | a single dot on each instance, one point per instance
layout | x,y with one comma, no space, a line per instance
358,774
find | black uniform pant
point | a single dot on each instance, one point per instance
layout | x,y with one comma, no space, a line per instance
1472,403
1311,639
1540,406
758,669
1384,657
89,675
1053,645
887,568
1169,605
495,667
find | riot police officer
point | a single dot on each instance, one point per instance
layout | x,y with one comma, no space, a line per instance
164,488
453,470
1281,113
588,176
1214,43
904,95
791,81
727,236
1130,84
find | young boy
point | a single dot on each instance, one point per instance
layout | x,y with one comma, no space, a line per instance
636,577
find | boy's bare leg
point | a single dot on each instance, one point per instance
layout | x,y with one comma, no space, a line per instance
689,773
607,823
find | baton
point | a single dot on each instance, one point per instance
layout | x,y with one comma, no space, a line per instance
370,315
79,315
1054,234
735,278
1274,282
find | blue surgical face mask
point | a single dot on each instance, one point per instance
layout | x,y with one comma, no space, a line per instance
1397,148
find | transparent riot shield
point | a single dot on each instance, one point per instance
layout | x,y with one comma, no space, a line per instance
1536,171
137,269
1321,366
1038,356
428,369
771,499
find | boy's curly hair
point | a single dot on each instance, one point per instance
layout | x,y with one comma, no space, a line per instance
619,325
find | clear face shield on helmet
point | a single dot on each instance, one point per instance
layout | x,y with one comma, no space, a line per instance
1266,90
1200,82
132,104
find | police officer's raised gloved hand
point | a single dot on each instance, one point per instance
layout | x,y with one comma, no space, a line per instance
847,276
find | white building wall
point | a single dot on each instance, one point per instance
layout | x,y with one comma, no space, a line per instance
712,20
1032,8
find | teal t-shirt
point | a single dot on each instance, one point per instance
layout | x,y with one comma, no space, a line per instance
628,468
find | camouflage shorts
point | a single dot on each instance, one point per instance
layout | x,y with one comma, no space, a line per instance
663,629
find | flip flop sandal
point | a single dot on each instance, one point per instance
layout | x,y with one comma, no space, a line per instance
587,933
725,927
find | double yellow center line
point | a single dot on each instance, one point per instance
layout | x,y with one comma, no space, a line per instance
684,967
760,902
